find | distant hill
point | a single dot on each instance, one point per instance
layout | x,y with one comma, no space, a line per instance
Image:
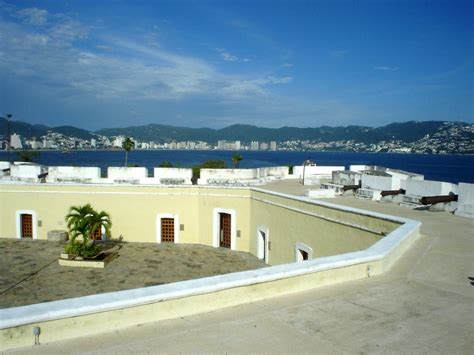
27,130
404,131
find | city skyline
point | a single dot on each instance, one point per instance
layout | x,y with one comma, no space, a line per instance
213,64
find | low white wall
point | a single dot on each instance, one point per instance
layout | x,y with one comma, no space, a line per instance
27,172
465,200
73,173
346,177
376,182
403,175
429,188
168,176
279,171
227,174
131,174
4,165
321,171
359,167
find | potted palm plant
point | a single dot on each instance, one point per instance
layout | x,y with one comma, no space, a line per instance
84,222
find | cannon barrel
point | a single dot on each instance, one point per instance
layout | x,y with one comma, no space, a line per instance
431,200
351,187
392,192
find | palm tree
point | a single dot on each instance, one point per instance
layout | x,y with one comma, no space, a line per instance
77,221
84,221
128,144
236,159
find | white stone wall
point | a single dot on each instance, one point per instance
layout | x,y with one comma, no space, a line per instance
319,171
346,178
430,188
375,182
278,171
73,174
400,175
208,176
359,167
465,200
25,171
4,165
171,176
134,175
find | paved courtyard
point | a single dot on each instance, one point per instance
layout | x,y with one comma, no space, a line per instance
30,272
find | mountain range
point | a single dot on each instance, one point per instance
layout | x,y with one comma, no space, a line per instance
402,131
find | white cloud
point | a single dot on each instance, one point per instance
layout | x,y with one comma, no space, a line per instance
229,57
339,53
385,68
33,16
287,65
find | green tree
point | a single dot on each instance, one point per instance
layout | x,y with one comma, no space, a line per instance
166,164
128,144
236,159
28,155
83,222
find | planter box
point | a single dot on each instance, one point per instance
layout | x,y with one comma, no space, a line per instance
98,264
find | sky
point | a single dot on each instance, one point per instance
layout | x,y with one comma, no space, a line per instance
98,64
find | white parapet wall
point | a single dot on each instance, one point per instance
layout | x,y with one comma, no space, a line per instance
430,188
346,177
465,200
377,182
321,172
359,168
4,165
224,176
26,171
277,171
128,175
173,176
73,174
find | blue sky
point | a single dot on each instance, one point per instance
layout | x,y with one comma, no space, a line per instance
97,64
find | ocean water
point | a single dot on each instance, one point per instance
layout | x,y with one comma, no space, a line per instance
450,168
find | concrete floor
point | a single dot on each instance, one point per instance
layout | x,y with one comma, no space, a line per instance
425,304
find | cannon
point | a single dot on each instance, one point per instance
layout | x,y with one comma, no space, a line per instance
431,200
392,192
351,187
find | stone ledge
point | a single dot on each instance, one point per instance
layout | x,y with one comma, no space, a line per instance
98,264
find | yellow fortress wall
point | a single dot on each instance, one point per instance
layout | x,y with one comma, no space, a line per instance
134,211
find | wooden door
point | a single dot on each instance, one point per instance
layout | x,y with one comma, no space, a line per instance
26,226
167,230
225,225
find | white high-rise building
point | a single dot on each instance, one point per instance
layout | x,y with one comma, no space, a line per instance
93,143
254,145
15,141
273,145
118,141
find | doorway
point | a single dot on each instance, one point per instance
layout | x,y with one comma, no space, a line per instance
167,230
225,223
26,226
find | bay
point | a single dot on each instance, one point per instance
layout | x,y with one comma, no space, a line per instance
449,168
